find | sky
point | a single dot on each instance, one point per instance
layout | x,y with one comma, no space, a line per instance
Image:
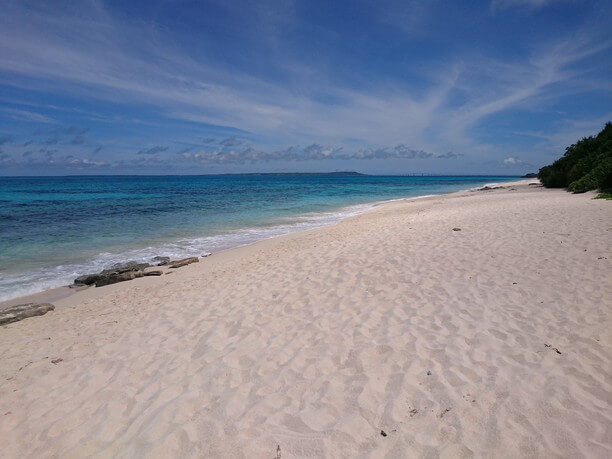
228,86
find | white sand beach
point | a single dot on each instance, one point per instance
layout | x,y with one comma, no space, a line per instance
491,341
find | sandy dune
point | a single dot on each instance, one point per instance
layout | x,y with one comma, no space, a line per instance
492,341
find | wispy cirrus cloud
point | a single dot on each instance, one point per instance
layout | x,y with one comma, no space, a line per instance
108,62
532,4
279,92
153,150
26,115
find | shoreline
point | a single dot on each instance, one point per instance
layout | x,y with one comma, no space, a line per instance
63,291
471,323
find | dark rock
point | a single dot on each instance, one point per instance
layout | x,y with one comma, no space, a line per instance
23,311
183,262
87,279
78,287
428,372
56,361
129,266
456,229
162,261
116,273
113,278
383,433
153,273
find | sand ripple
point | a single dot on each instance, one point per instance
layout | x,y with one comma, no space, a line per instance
316,342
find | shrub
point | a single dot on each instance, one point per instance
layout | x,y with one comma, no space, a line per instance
586,183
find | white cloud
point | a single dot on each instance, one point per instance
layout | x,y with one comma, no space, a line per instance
103,57
238,151
109,61
512,161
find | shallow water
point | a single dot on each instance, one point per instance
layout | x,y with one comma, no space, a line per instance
55,228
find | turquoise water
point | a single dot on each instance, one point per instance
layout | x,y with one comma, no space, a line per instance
55,228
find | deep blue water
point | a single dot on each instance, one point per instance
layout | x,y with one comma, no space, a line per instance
55,228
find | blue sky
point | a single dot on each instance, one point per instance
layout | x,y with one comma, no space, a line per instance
176,86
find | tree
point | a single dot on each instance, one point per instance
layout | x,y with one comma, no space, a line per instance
586,165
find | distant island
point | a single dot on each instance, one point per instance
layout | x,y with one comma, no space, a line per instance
586,165
336,174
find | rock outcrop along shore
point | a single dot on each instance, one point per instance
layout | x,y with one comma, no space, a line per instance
23,311
130,270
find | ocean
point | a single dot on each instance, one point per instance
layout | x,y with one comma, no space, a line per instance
53,229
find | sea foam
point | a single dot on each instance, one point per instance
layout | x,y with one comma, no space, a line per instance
34,281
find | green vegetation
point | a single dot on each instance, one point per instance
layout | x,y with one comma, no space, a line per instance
607,196
586,165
